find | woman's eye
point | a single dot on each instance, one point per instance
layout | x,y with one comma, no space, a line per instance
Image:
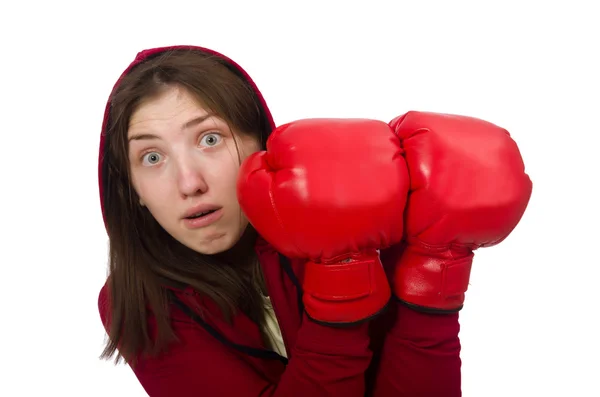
211,140
151,158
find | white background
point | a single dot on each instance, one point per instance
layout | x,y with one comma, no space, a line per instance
530,324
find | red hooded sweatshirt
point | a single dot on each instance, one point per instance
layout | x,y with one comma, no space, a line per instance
401,353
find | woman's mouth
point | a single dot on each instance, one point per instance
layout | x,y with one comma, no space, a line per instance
203,218
200,214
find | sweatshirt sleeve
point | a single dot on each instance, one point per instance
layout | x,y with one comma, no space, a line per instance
420,356
324,362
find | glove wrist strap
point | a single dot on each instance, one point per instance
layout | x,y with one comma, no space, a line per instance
346,292
433,282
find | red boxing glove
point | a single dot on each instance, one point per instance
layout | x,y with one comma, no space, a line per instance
331,191
468,190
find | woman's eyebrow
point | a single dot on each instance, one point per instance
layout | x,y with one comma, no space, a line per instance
188,124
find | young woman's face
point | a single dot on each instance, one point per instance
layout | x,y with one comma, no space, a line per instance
184,166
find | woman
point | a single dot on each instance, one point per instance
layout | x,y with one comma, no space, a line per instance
200,301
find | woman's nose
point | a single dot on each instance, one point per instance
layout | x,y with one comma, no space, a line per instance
190,179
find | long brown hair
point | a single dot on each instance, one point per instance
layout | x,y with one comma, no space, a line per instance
142,255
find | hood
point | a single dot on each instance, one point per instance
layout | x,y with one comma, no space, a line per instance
144,56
